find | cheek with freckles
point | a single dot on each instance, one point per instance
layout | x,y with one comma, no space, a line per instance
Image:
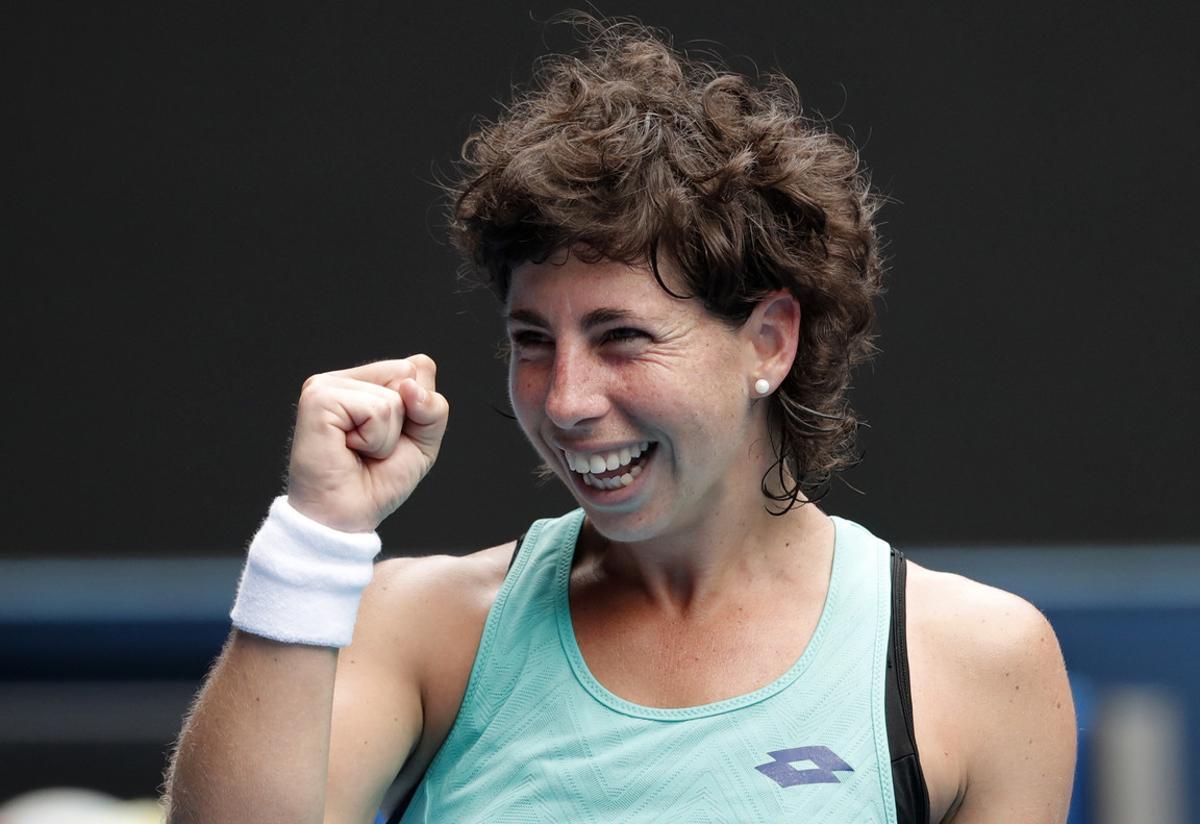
523,393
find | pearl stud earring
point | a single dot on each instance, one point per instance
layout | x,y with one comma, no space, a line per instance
761,387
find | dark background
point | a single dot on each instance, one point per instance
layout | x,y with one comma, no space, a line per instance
214,201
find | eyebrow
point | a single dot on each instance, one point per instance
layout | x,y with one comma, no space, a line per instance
594,318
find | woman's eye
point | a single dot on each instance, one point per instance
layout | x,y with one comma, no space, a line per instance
624,334
537,340
527,339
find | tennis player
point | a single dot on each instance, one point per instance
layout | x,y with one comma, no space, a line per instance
687,268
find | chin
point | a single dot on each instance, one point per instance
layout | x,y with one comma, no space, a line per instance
624,529
645,523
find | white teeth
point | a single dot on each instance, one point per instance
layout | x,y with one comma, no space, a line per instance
615,482
589,466
604,462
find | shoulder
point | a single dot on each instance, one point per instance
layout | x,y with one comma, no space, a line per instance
442,574
424,602
420,620
953,607
1002,706
987,634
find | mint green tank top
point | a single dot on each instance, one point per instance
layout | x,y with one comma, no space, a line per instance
538,739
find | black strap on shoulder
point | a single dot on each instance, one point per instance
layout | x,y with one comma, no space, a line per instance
912,796
516,549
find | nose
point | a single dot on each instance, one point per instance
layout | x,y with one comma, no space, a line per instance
577,389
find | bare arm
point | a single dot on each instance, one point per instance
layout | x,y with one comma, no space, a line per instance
257,744
337,729
377,708
418,628
263,714
1020,758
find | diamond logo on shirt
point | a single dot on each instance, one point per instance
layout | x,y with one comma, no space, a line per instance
823,759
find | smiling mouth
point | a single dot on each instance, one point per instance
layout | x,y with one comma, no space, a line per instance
626,463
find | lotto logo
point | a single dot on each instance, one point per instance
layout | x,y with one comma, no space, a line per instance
825,762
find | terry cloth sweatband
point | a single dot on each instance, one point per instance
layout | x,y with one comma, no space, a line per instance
303,580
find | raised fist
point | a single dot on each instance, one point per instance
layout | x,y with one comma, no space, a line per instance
364,439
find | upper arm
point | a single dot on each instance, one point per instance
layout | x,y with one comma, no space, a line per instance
1019,718
400,682
377,715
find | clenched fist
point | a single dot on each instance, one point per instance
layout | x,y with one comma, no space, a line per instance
364,439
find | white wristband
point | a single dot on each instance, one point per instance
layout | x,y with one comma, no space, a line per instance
303,580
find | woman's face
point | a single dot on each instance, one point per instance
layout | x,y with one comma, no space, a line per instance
605,364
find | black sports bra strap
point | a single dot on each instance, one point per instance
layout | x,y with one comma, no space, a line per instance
912,795
516,549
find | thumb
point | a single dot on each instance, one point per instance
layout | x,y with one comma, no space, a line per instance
426,413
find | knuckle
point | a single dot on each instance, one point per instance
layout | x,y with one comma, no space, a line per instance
312,392
424,362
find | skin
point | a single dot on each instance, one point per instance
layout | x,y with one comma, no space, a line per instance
671,588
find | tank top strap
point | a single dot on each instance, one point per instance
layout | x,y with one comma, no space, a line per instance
519,630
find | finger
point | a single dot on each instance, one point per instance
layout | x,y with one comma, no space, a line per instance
371,418
380,373
349,387
386,393
426,415
426,371
374,426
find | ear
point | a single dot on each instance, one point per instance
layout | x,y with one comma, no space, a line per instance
772,336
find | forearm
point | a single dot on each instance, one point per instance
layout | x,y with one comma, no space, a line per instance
256,745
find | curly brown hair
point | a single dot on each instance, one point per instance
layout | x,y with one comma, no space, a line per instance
631,150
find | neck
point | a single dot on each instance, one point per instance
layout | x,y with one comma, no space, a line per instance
725,557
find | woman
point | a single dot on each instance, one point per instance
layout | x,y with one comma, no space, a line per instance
687,268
